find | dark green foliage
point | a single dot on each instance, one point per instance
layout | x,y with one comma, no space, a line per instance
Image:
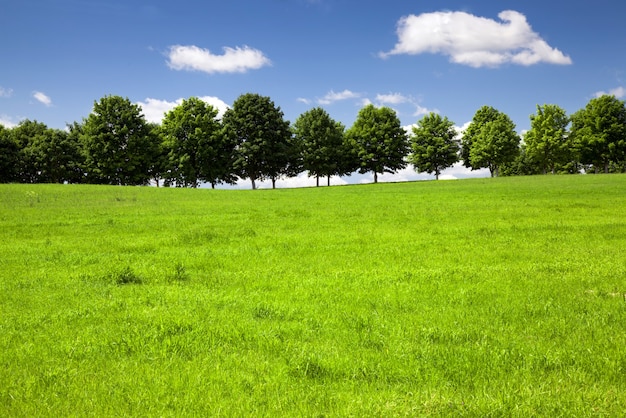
124,276
379,141
489,141
198,149
119,144
548,145
264,145
324,150
26,135
434,144
599,132
9,156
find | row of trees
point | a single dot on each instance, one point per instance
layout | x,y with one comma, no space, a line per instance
115,144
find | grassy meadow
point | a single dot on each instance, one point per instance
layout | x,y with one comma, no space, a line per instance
482,297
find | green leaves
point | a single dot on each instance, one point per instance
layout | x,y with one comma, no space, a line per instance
379,141
119,144
434,145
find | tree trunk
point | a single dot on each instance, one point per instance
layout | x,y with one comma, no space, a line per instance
328,181
436,174
317,181
253,183
273,182
375,177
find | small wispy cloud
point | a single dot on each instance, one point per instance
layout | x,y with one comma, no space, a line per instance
303,100
475,41
233,60
42,98
392,98
332,96
618,92
5,92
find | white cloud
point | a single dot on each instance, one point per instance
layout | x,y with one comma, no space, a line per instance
392,98
155,109
618,92
303,100
234,60
475,41
420,110
5,92
332,97
7,121
42,98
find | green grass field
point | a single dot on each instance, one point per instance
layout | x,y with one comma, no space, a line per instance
486,297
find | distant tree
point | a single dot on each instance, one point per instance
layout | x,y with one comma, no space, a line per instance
9,156
198,148
118,142
599,131
434,145
264,145
547,141
379,141
490,141
56,157
25,134
322,142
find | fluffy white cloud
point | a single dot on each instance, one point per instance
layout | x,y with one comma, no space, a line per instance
303,100
42,98
475,41
332,97
7,121
5,92
618,92
234,60
155,109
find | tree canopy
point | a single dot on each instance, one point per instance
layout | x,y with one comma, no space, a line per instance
490,140
379,140
599,131
321,139
433,144
119,144
547,141
264,147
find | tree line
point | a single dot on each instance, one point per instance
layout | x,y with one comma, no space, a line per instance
116,145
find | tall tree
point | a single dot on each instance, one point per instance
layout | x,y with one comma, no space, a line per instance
322,142
434,144
264,146
599,131
380,141
119,144
490,141
25,134
198,148
547,141
9,156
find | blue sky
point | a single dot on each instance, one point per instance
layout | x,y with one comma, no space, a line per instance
451,57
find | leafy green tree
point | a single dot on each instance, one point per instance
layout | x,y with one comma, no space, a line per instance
25,134
264,145
118,142
481,117
322,142
434,145
490,141
547,141
56,157
9,156
599,130
198,148
379,140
